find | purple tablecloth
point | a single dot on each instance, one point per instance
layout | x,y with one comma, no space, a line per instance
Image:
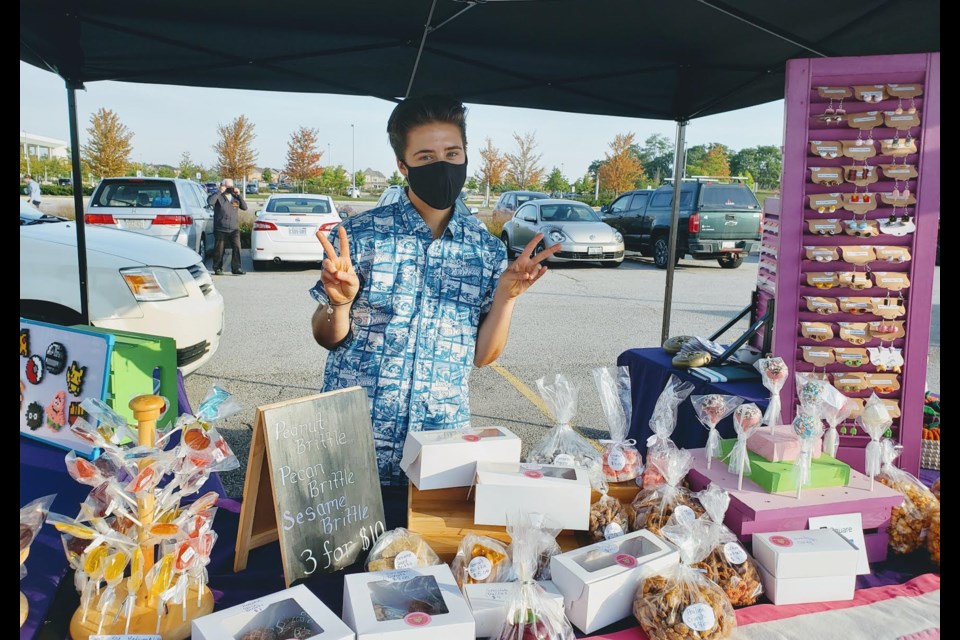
650,369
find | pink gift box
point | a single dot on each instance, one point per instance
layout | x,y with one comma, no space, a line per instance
780,446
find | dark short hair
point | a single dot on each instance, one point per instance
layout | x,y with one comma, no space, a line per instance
416,111
28,177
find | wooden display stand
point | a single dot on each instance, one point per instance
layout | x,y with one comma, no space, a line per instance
175,623
444,516
753,510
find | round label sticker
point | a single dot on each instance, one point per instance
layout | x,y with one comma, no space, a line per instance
684,515
405,560
532,473
612,530
733,552
480,568
781,541
564,460
417,619
616,460
471,437
626,560
699,617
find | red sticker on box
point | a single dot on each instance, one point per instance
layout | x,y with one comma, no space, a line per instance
471,438
781,541
533,473
626,560
417,619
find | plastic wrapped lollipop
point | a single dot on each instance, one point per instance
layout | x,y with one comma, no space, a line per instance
530,615
773,372
218,404
809,427
32,516
810,388
133,586
663,422
835,408
159,580
746,420
875,420
116,564
621,460
711,409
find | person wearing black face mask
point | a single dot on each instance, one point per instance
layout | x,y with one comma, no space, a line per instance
414,294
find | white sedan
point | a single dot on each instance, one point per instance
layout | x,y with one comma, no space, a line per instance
285,229
136,283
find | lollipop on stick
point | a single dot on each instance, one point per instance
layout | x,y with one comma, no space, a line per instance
773,372
835,409
875,420
808,426
711,409
746,420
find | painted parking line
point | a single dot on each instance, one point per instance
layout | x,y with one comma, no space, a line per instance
534,398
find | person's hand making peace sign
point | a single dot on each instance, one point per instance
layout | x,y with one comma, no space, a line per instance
526,269
339,279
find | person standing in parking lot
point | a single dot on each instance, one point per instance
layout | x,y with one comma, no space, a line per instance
33,190
227,204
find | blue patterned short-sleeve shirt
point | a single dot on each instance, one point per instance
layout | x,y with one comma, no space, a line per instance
413,326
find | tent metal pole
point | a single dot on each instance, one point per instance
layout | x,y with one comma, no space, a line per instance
678,172
78,201
423,41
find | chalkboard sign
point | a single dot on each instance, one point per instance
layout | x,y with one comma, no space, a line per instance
322,473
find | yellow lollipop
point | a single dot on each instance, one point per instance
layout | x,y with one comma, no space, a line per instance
75,530
116,564
136,570
163,577
93,563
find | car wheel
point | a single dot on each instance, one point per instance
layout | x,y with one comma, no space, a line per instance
505,239
611,264
202,249
538,249
661,253
262,265
732,261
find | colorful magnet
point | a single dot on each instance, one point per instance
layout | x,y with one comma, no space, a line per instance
22,387
34,369
75,377
56,359
56,411
24,343
34,416
76,411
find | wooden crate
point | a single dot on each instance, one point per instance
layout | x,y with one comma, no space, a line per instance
444,516
753,510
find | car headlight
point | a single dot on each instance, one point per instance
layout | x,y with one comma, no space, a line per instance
618,236
150,284
557,236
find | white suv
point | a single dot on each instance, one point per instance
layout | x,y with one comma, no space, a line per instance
169,208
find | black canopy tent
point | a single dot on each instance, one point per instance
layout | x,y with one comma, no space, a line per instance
674,59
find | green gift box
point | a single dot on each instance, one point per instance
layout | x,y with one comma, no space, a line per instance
781,477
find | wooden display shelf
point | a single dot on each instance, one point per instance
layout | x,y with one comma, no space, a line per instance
444,516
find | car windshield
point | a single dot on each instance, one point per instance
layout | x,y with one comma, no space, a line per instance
31,215
299,205
728,195
142,194
523,198
567,213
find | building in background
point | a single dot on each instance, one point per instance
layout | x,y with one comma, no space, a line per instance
374,181
39,146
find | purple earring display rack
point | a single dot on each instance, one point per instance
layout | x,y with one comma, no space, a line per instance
784,263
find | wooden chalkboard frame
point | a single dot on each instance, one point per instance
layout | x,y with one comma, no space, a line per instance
261,510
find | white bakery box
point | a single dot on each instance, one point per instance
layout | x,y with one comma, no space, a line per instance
818,565
599,582
448,458
416,604
293,612
489,603
561,494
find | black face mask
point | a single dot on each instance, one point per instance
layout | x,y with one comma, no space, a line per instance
438,183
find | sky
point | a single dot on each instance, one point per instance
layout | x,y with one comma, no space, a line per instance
168,120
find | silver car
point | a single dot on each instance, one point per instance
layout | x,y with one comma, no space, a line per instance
170,208
577,228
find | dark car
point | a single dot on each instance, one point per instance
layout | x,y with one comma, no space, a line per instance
720,219
211,187
510,200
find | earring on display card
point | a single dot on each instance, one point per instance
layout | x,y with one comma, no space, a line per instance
913,106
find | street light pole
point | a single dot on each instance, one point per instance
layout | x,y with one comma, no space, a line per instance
353,160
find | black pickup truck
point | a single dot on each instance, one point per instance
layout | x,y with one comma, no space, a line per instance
718,221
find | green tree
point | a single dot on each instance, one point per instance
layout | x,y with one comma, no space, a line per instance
359,179
472,183
235,154
584,185
166,171
267,175
556,181
716,162
396,179
694,160
656,155
763,162
187,167
109,145
335,179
